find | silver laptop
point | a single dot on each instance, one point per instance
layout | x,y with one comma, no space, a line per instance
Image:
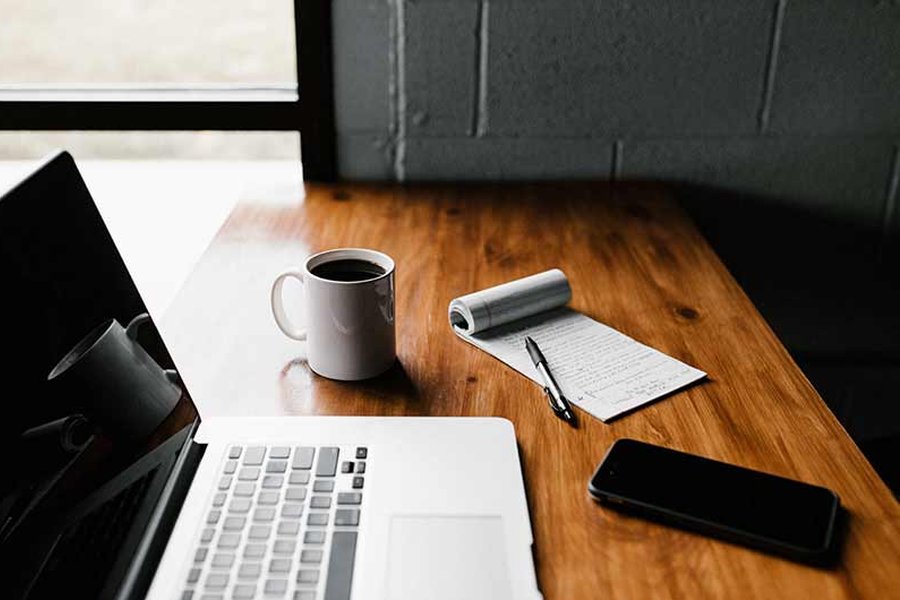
307,508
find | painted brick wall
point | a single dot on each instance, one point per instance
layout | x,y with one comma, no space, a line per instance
797,101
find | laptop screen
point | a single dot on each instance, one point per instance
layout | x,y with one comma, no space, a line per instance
90,391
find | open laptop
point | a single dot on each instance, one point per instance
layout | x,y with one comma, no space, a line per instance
308,508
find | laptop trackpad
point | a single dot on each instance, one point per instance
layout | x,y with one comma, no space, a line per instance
447,558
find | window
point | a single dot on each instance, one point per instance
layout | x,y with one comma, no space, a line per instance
167,65
139,145
147,42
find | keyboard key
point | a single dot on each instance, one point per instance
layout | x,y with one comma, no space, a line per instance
308,576
254,551
291,511
254,455
314,537
305,595
213,517
272,481
264,514
275,587
200,556
235,452
297,494
299,478
248,474
346,517
193,575
234,523
324,485
311,556
239,505
303,458
340,565
284,547
230,467
349,498
219,499
189,594
212,597
317,519
216,581
207,535
362,452
260,532
229,540
327,465
244,591
358,483
280,565
250,570
347,466
276,466
245,489
268,497
279,452
360,467
289,528
223,560
320,502
225,482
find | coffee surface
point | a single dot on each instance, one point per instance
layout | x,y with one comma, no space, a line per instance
348,269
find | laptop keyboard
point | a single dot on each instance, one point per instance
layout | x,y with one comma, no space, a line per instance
283,523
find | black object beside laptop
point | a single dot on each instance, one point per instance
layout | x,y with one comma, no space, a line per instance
763,511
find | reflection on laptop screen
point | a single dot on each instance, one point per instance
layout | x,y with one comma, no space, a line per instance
94,415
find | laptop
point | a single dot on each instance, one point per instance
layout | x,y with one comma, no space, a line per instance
305,508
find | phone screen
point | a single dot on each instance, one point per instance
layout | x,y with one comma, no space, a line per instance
741,501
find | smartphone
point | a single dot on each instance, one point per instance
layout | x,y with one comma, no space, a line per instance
740,505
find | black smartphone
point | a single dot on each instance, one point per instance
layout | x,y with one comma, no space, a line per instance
741,505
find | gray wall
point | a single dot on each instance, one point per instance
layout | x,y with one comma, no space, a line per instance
794,100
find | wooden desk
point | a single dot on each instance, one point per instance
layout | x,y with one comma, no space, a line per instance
635,262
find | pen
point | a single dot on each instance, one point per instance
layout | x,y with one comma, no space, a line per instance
558,402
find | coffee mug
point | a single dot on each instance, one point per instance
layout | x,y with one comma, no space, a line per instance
349,300
119,386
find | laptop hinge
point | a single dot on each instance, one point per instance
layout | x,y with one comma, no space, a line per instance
162,520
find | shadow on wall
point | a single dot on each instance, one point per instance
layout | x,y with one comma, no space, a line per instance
830,288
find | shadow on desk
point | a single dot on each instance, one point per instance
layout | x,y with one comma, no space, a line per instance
829,287
394,386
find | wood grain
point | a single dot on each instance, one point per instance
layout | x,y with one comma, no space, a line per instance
635,262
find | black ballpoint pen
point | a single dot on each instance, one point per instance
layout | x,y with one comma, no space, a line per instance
558,402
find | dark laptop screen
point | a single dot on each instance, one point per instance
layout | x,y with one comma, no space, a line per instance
89,388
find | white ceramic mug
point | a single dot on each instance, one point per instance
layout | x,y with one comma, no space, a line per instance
349,329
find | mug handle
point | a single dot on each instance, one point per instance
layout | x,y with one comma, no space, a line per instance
281,318
132,330
131,333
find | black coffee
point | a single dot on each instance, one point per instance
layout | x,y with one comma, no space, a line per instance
348,269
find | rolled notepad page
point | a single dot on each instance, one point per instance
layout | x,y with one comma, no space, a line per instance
509,301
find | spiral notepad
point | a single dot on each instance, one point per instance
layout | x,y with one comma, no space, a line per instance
599,369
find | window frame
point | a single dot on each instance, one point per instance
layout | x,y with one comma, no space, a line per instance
307,108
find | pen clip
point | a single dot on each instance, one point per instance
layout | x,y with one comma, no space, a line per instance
552,401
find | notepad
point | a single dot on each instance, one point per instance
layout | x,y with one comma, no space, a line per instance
599,369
